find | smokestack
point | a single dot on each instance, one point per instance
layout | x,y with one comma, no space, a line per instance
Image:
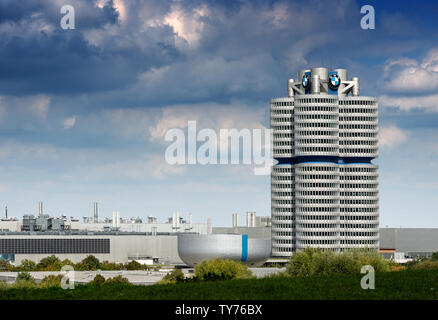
6,212
116,219
40,208
253,219
235,220
96,216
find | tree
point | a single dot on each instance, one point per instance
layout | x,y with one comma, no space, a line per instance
51,263
90,263
134,265
5,266
434,256
27,265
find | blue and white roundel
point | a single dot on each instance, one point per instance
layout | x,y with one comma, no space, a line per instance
334,81
305,81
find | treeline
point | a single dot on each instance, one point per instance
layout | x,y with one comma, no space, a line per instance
26,281
90,263
211,270
424,263
311,262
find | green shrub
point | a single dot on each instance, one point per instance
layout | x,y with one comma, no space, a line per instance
426,265
434,256
50,281
174,276
24,276
134,265
316,261
98,280
219,269
24,280
117,280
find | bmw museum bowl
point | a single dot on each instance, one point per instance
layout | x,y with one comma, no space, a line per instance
195,248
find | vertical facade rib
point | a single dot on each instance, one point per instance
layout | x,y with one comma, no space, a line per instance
324,189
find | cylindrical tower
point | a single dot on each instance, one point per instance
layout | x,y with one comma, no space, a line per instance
282,126
359,197
316,125
282,210
324,189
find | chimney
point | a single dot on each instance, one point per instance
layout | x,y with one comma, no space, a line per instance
235,220
116,219
6,212
40,208
96,216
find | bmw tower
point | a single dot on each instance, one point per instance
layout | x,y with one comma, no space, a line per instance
324,187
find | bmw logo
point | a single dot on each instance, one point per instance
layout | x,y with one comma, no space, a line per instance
305,81
334,81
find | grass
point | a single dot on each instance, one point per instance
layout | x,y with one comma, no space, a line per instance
406,284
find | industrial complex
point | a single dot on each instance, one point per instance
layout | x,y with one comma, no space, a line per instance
173,243
324,194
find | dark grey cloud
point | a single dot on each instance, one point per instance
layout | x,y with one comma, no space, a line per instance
37,56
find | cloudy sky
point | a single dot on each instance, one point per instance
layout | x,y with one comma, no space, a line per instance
83,112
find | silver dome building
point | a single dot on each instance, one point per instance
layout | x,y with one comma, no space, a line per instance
195,248
324,189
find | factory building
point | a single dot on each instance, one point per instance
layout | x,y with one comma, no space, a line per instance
324,189
119,247
116,240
